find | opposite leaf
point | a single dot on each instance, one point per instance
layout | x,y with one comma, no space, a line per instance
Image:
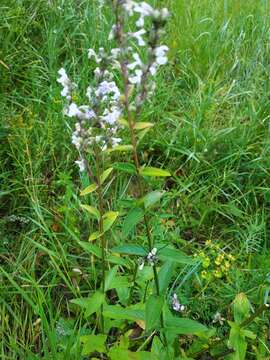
155,172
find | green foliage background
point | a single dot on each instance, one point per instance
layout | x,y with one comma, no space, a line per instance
212,131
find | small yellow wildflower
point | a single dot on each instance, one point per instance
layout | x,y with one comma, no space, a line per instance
218,274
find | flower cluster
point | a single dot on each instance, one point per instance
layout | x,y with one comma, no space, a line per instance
215,263
176,305
140,73
151,259
97,122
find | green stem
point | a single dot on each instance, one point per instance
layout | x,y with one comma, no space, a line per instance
131,123
133,284
258,312
101,229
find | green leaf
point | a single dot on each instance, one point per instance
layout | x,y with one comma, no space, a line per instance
109,219
121,148
143,125
184,326
92,210
125,167
123,122
89,189
165,274
134,216
237,342
91,248
130,250
118,260
105,174
118,353
117,312
151,198
175,256
120,282
92,343
95,235
152,171
153,309
92,304
109,277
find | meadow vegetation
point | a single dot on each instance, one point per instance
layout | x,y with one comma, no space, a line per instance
211,133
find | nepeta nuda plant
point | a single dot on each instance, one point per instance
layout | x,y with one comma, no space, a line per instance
136,54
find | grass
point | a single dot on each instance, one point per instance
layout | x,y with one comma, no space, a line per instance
212,115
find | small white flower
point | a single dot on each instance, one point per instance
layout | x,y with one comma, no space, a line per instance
151,257
116,141
115,53
141,266
176,304
105,88
111,116
66,83
73,110
138,36
128,5
112,33
136,63
137,78
160,53
164,13
89,93
218,318
153,69
93,54
86,113
81,164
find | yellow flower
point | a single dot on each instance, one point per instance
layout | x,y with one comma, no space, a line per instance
219,259
204,274
208,242
218,274
206,262
231,257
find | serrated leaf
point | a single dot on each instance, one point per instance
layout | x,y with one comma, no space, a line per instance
155,172
130,250
91,248
121,148
153,309
143,125
91,210
95,235
105,174
92,304
92,343
125,167
184,326
133,217
117,312
109,219
175,256
88,190
151,198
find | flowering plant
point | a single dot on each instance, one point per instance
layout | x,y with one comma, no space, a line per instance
122,82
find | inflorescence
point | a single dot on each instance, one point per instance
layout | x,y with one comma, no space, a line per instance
97,121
